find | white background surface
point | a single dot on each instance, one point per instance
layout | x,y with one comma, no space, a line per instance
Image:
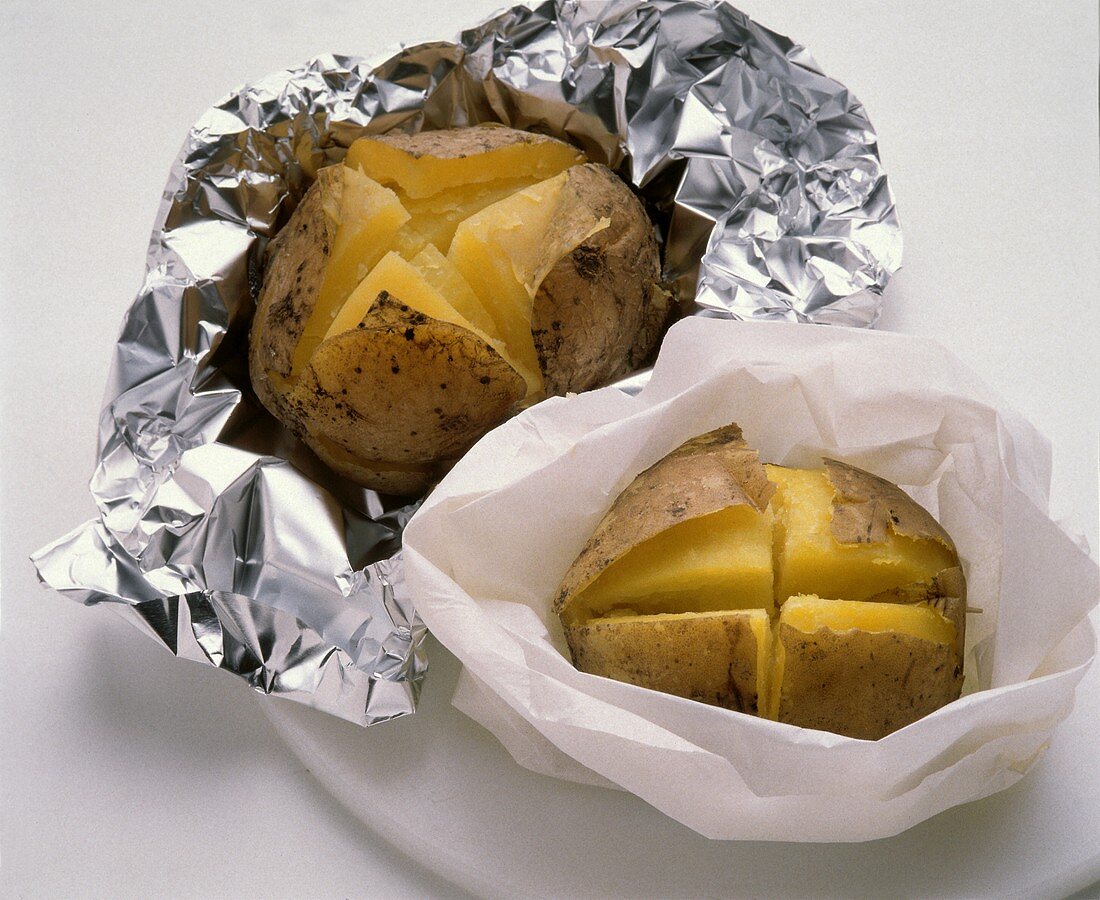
127,774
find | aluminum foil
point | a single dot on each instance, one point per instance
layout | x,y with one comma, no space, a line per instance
223,537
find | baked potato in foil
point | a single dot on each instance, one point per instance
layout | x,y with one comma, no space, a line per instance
431,284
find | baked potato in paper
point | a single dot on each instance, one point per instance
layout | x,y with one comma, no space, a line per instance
825,598
433,283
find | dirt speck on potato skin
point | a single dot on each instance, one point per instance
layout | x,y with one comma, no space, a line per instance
587,263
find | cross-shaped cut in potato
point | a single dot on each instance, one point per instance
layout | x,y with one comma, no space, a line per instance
696,547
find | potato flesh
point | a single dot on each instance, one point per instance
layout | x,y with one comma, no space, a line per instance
726,563
437,217
368,219
494,252
811,560
712,563
442,275
808,612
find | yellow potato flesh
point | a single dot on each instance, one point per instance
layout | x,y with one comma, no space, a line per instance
712,563
494,252
441,274
368,218
408,242
810,560
808,613
403,281
419,177
437,217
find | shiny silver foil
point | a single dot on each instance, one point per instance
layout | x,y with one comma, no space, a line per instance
222,536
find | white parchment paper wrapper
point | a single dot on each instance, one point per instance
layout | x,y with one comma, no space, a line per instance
488,548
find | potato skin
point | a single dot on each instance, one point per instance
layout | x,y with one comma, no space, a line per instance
867,507
864,685
601,309
458,143
402,388
708,658
385,479
296,261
